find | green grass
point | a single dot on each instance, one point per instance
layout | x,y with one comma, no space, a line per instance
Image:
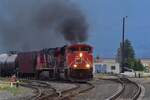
2,78
13,90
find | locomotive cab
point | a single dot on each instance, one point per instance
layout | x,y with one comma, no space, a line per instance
80,61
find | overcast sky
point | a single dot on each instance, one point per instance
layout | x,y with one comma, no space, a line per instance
105,19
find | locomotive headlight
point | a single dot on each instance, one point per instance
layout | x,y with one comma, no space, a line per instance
80,54
75,66
87,65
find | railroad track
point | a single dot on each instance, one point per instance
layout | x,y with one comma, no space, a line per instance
82,88
130,90
44,91
68,94
41,89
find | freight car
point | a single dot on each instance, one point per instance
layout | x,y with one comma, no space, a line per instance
26,64
7,64
68,62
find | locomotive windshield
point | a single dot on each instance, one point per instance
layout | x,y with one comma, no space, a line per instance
85,48
73,49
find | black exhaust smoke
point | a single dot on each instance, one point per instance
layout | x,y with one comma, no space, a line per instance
34,24
74,29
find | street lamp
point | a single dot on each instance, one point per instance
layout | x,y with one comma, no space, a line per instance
122,47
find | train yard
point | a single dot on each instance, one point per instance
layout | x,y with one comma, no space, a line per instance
68,75
47,53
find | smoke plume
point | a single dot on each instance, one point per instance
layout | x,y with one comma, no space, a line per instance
35,24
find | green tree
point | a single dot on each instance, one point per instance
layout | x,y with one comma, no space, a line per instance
129,57
128,50
138,66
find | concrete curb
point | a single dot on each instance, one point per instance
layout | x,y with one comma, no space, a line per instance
142,93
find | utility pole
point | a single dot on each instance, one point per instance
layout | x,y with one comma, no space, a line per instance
122,49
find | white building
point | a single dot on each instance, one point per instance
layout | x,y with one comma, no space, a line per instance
109,65
106,65
146,63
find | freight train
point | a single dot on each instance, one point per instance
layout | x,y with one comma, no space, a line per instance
68,62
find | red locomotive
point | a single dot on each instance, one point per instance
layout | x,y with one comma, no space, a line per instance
68,62
79,59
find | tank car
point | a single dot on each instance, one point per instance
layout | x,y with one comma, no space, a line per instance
7,64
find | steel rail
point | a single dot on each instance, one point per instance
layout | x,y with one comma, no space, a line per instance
124,85
38,87
77,91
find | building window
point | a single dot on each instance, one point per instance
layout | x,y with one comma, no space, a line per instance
99,68
113,67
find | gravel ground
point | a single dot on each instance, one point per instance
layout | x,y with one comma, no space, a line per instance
103,89
62,86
